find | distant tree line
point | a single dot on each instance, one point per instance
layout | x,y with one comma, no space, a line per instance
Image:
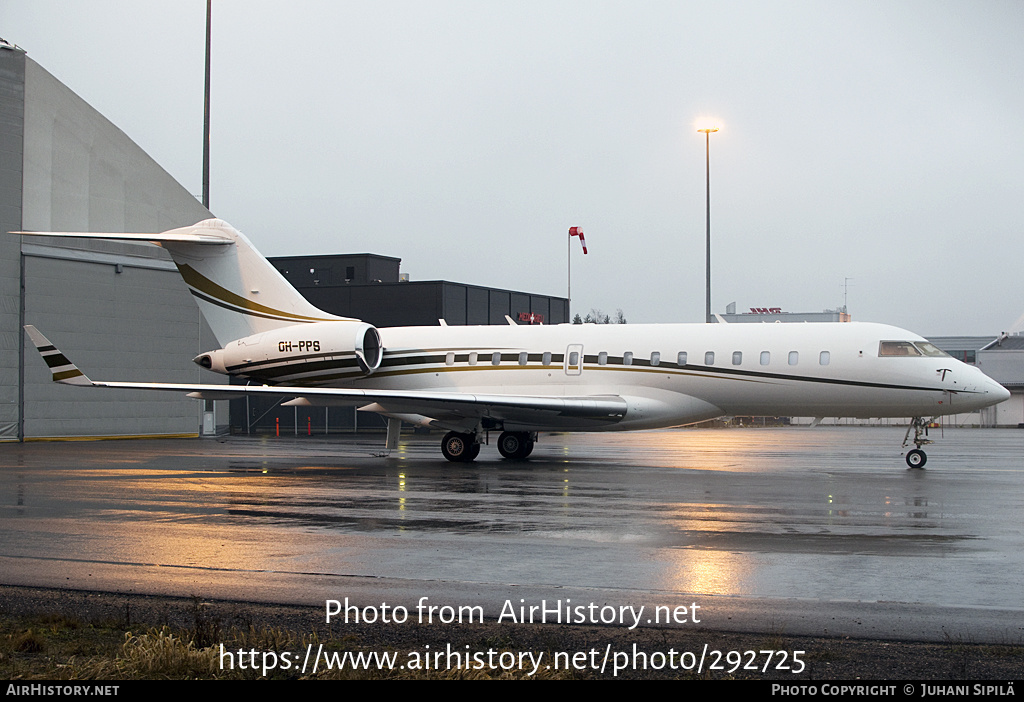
596,316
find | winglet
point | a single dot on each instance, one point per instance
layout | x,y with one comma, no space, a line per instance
64,371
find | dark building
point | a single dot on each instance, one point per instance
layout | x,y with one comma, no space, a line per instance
368,287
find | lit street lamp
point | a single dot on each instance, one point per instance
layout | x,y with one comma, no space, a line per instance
707,139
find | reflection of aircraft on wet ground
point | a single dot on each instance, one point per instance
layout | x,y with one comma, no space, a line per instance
521,380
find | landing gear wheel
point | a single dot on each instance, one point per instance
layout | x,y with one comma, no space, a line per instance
916,458
515,445
459,448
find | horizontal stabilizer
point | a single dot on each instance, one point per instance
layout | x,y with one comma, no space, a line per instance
198,236
238,291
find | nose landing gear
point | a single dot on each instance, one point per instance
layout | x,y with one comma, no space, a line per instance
916,458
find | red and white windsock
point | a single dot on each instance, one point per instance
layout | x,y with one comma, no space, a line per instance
578,231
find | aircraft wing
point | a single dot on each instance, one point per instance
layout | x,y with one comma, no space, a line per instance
451,407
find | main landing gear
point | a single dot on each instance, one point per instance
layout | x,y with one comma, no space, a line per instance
463,448
515,445
460,448
916,458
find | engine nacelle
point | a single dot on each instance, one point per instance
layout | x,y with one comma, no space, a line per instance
270,355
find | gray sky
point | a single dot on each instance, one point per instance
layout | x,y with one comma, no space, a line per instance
877,141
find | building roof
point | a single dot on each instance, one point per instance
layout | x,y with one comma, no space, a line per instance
960,343
1009,343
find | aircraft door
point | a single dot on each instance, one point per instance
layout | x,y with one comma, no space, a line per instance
574,359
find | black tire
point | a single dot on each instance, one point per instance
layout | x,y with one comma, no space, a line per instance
508,444
459,448
515,445
529,448
916,458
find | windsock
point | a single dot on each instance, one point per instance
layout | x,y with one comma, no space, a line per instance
578,231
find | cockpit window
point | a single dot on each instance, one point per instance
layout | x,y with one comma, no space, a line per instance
897,348
930,349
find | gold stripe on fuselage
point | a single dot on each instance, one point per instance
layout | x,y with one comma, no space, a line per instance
293,369
332,374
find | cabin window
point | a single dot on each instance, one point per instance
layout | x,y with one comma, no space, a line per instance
496,358
931,349
546,358
737,358
655,358
449,358
709,358
472,358
794,358
627,358
766,358
522,358
823,358
681,359
574,358
602,358
897,348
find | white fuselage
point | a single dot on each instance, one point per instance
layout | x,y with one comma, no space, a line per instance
668,374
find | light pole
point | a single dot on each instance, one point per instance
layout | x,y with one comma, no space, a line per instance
707,143
206,113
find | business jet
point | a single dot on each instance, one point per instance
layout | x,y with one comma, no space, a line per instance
525,379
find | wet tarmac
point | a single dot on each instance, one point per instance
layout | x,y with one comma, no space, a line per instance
794,530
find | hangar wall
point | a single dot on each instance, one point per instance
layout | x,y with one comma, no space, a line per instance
118,309
12,113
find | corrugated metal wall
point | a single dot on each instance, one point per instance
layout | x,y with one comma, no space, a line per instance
12,114
119,317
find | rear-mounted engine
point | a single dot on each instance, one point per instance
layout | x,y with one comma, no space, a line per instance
291,346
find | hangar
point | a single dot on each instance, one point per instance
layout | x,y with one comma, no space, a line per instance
65,167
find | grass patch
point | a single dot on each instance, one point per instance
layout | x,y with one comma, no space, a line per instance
41,648
169,638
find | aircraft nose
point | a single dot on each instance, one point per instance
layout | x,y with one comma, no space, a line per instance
985,391
992,393
999,393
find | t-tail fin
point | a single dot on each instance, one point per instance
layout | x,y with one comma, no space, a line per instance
238,291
